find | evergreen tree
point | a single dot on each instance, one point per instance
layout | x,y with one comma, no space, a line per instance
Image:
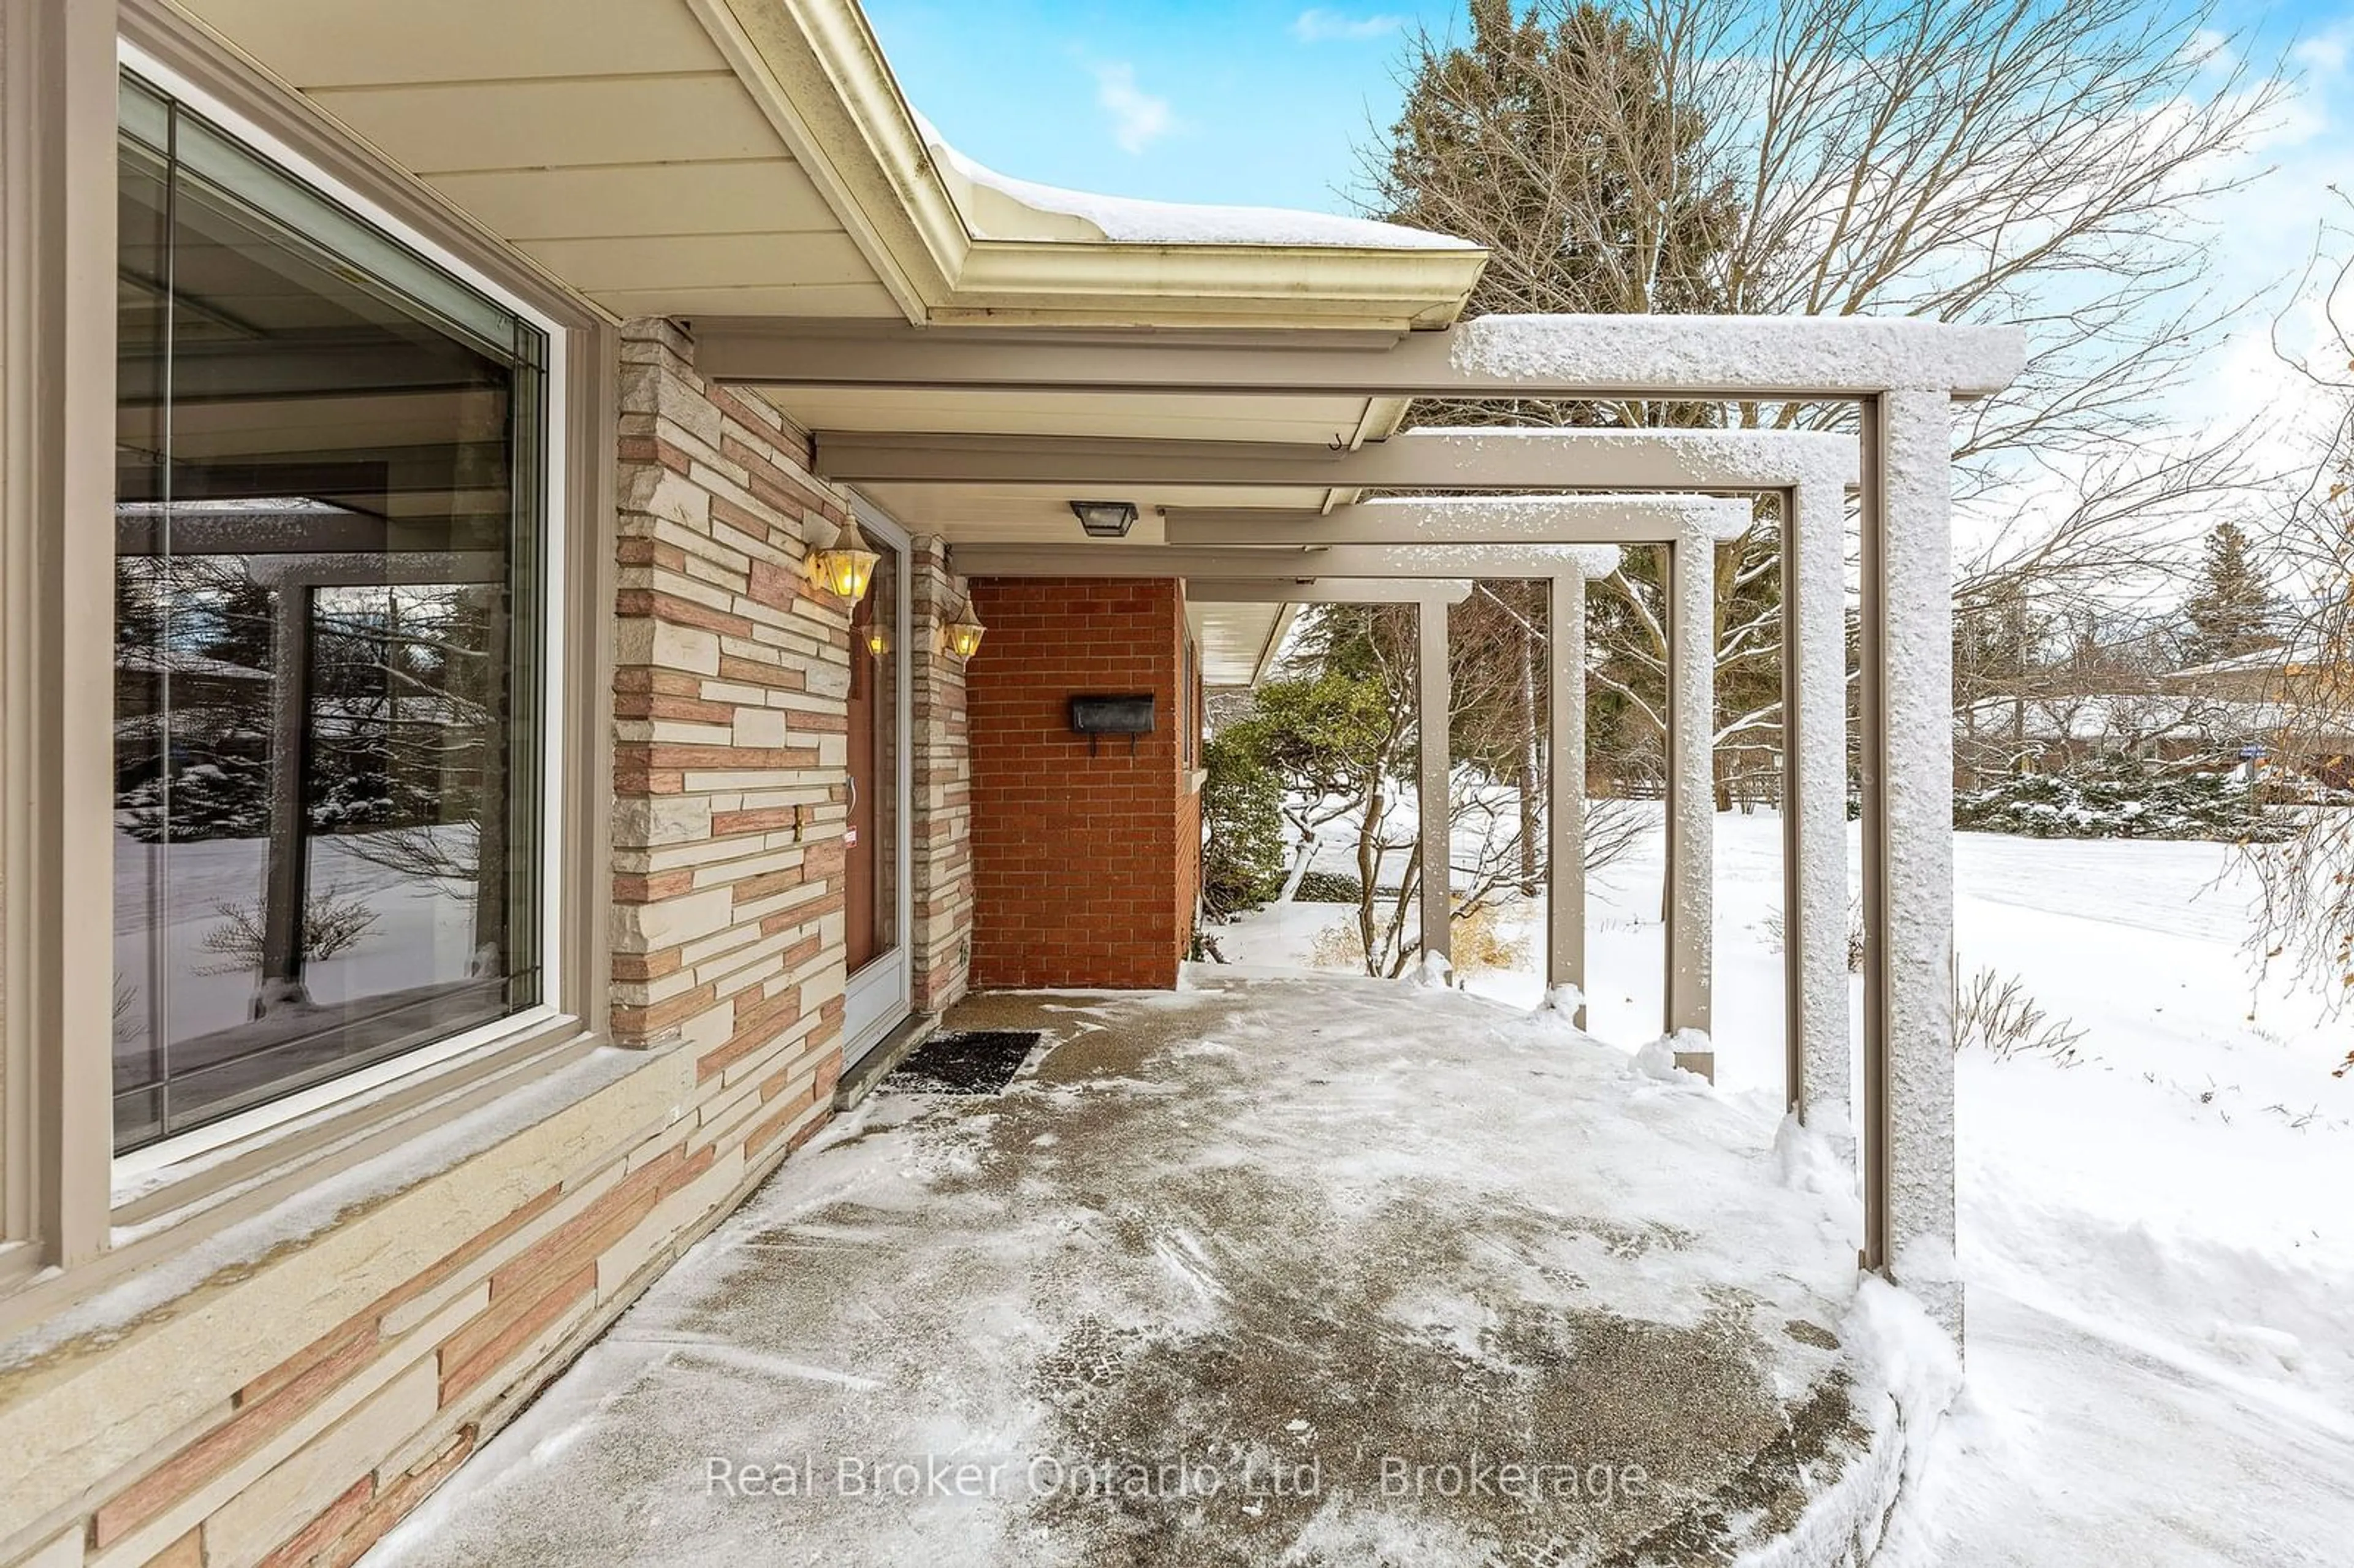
2232,612
1554,138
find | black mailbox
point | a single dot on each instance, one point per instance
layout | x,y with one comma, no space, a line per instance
1128,716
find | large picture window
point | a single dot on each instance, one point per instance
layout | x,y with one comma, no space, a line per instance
328,541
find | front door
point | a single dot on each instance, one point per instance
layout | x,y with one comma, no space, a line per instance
862,844
874,835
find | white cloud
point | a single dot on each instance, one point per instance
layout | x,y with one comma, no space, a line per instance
2326,53
1138,118
1322,26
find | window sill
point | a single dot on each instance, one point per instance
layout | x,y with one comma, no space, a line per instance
297,1181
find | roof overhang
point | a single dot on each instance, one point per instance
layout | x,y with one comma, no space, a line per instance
816,70
693,158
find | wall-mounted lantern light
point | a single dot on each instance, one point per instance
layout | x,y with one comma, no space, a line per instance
1105,519
963,636
879,641
843,565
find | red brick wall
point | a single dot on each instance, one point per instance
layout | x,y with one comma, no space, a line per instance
1083,868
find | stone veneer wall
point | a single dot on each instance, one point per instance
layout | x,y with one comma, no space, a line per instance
286,1408
941,944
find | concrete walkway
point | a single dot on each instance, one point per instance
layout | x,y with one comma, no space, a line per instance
1311,1271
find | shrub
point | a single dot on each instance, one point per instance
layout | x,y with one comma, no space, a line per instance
1481,944
1242,807
1339,946
1996,1016
333,923
1776,928
1336,887
2121,798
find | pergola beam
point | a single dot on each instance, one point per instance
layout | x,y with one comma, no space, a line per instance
1417,460
1614,519
1327,590
1403,561
1616,357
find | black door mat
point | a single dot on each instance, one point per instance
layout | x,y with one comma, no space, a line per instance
967,1062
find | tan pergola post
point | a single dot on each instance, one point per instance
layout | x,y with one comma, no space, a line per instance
1814,801
1566,795
1433,808
1691,902
1908,848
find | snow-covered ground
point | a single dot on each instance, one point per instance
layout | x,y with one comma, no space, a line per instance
173,897
2158,1237
1289,1222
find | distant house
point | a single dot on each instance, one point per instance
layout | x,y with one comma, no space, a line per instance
2260,709
2285,708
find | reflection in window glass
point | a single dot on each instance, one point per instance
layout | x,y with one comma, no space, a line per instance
871,833
327,522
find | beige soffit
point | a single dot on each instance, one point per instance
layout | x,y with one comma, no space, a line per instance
751,159
606,143
815,69
1238,641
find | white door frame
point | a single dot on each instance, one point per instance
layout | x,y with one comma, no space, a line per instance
877,998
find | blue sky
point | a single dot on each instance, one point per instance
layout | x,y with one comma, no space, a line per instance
1260,102
1230,101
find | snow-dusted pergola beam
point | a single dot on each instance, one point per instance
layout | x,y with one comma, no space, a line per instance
1653,519
1534,459
1327,590
1426,561
1495,356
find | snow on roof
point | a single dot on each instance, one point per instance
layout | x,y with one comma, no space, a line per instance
2108,716
2278,657
1443,558
998,206
132,659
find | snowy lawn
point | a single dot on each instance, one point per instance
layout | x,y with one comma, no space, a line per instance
2158,1237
